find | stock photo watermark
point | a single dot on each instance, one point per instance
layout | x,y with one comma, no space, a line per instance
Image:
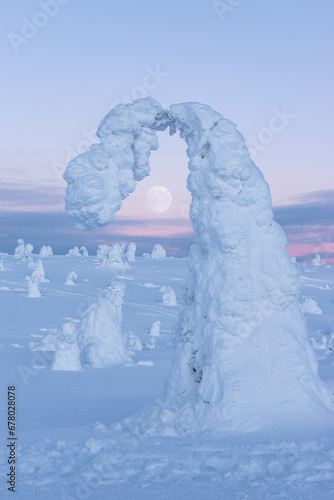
151,80
32,25
223,8
280,120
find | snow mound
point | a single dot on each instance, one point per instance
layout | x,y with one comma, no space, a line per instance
150,342
45,251
100,339
67,356
48,342
310,306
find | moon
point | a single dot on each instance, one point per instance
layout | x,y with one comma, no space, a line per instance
158,199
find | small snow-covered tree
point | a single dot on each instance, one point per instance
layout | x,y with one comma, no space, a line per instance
20,249
33,290
101,340
28,252
38,271
74,251
67,355
310,306
155,329
2,265
242,359
71,277
158,252
45,251
317,261
133,342
84,251
168,296
131,252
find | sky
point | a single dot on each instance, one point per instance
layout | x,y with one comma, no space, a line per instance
267,66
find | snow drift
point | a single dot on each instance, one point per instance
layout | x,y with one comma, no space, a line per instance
242,361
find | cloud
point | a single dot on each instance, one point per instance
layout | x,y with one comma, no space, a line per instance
308,224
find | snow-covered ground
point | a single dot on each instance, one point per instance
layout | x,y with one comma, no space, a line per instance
73,441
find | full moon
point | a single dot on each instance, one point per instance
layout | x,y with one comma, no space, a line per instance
158,199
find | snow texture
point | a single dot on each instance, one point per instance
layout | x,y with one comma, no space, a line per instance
100,339
45,251
241,296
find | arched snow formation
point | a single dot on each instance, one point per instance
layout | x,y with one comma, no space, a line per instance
242,359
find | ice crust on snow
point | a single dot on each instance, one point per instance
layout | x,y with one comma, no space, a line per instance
242,359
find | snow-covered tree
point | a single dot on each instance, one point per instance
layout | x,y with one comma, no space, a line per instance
150,342
28,252
71,277
155,329
317,261
101,340
133,342
158,252
38,271
131,252
310,306
67,355
84,251
111,256
74,251
2,265
242,359
45,251
168,296
20,249
33,290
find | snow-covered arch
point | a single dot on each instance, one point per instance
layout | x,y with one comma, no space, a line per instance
242,359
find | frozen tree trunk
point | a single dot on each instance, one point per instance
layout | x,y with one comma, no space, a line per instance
242,359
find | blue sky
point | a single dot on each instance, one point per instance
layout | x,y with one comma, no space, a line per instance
251,60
